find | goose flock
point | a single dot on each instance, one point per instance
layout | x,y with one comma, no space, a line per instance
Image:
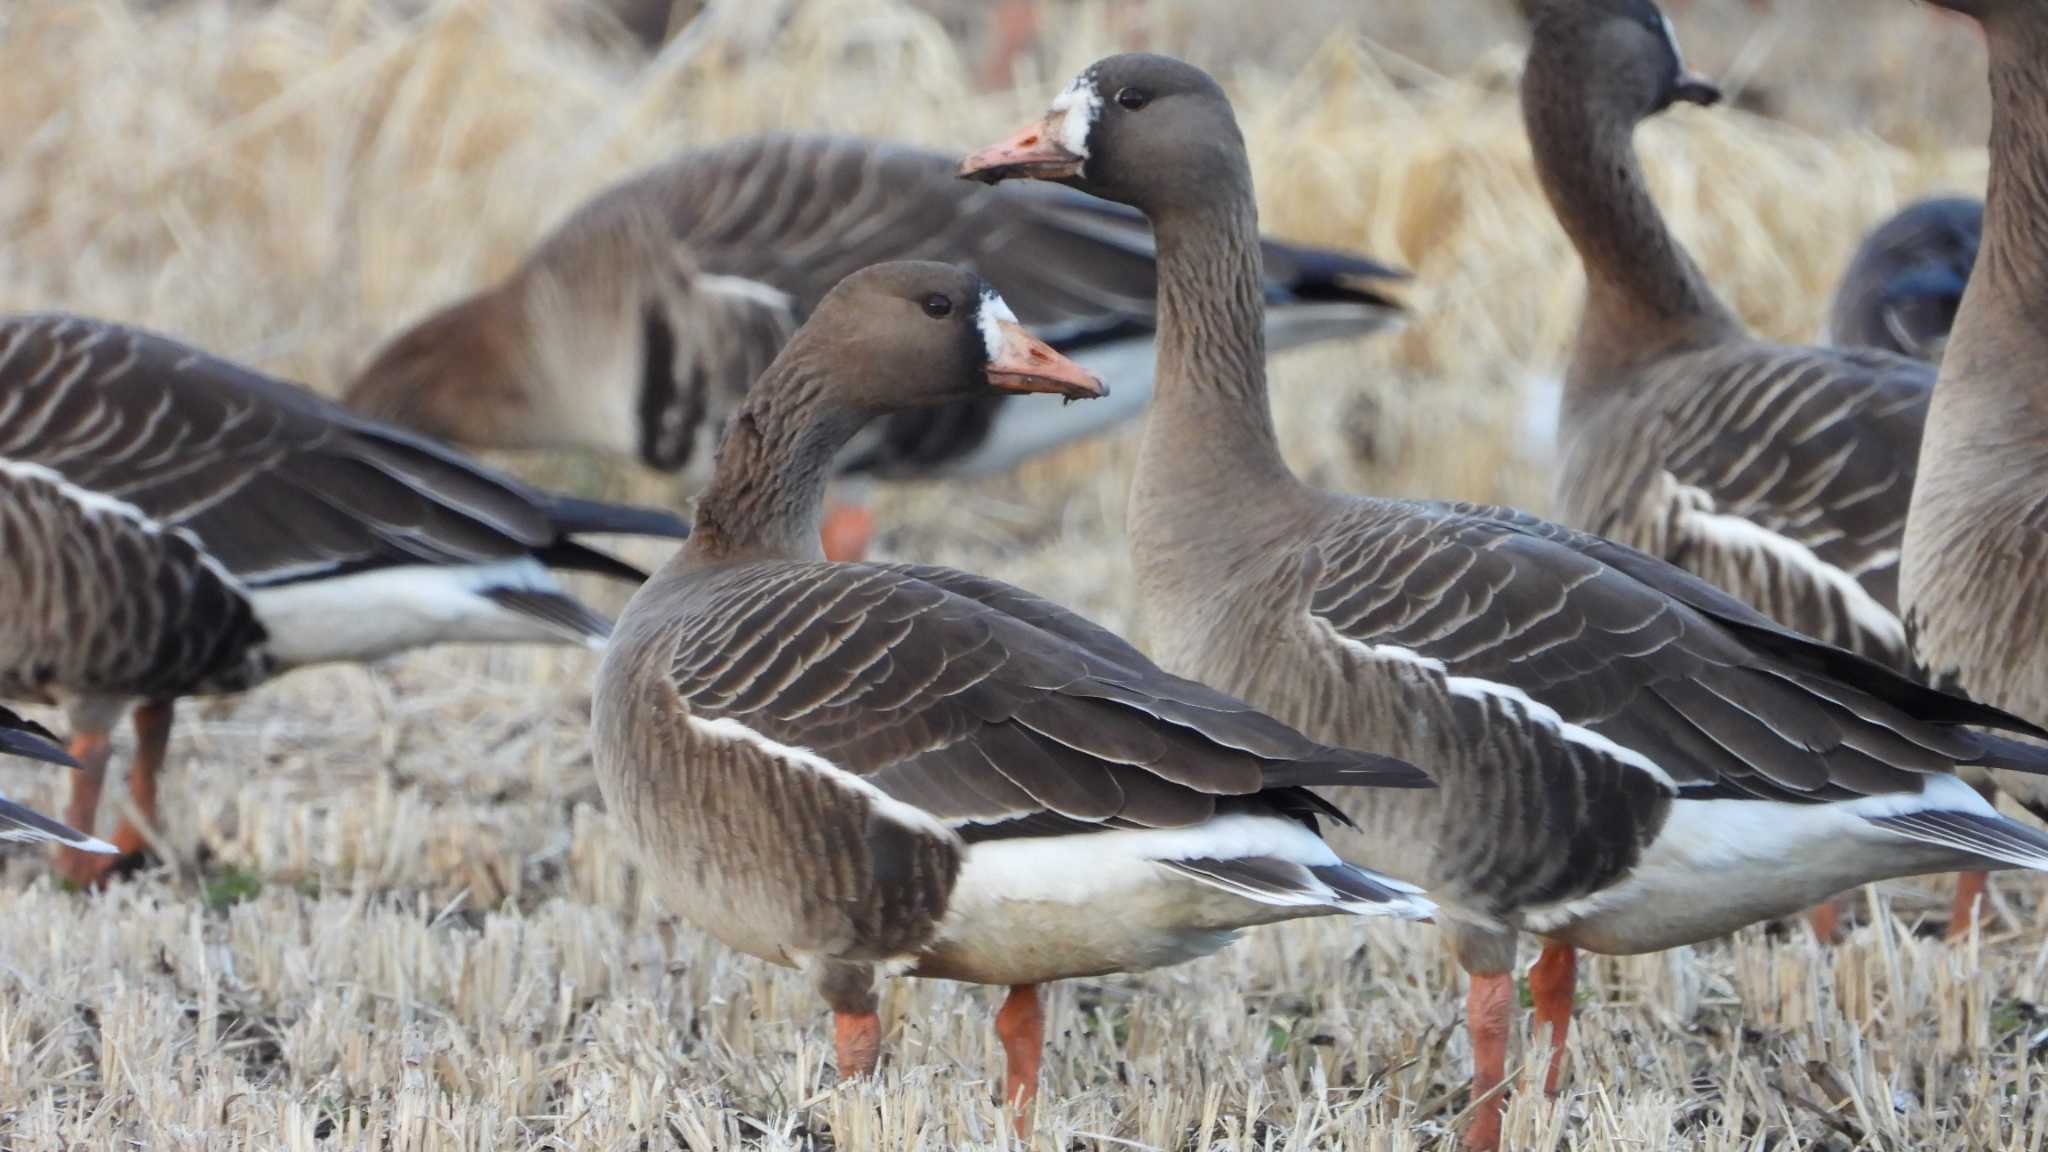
1785,639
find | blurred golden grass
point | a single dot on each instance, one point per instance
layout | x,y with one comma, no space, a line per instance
446,947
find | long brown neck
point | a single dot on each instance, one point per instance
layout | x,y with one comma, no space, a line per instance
1644,295
1991,406
1209,443
767,493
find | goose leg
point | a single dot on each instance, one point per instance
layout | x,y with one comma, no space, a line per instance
92,748
847,530
1489,1004
152,742
856,1027
1553,983
1021,1024
1962,910
1826,920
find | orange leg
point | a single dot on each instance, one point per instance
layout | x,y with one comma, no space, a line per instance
857,1041
1963,909
1553,982
1013,30
1826,920
1488,1004
92,750
847,530
152,742
1021,1024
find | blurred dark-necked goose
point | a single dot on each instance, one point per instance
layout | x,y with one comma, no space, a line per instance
852,768
637,325
1629,759
1903,286
1976,541
175,524
19,825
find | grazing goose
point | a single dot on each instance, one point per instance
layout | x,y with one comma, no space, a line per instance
637,325
1780,473
1902,287
1976,540
19,825
862,768
1629,759
177,524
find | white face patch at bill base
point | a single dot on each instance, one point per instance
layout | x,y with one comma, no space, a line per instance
992,310
1073,114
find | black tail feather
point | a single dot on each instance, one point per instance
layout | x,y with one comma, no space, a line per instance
555,609
573,516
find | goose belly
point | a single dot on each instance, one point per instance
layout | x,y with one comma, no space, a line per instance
1720,865
370,615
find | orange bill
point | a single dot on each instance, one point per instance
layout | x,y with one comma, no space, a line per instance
1024,363
1034,153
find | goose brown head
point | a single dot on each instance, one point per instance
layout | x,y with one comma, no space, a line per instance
1149,131
1621,55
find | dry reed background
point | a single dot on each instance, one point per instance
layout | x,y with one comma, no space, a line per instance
395,917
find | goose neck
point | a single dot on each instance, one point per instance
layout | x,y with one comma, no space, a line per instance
767,492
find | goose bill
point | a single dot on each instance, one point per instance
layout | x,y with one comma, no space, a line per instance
1035,153
1694,88
1024,363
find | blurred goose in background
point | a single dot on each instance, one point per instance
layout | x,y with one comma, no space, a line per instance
179,524
636,326
19,825
860,768
1903,286
1781,473
1629,759
1976,540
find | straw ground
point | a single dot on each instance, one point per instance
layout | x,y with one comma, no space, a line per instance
394,915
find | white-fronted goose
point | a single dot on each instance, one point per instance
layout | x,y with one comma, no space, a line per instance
1902,288
1780,473
852,768
176,524
637,325
19,825
1629,758
1976,540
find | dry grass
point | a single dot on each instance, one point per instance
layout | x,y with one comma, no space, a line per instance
396,917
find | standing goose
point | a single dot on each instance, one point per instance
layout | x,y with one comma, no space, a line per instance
177,524
19,825
1976,540
1902,288
637,325
1629,759
1780,473
856,768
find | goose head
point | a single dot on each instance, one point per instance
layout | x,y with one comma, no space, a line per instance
1149,131
911,334
1620,56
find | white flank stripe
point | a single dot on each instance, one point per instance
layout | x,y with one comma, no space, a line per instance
730,731
741,288
1475,688
1745,537
1076,108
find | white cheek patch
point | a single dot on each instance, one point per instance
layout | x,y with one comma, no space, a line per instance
987,313
1076,110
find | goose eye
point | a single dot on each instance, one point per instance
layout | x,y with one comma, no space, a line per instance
1133,98
937,306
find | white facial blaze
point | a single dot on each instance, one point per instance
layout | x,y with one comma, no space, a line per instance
991,310
1075,110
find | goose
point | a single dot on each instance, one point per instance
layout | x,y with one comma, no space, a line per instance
1975,541
1902,287
1782,473
178,524
21,825
635,327
858,768
1628,758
